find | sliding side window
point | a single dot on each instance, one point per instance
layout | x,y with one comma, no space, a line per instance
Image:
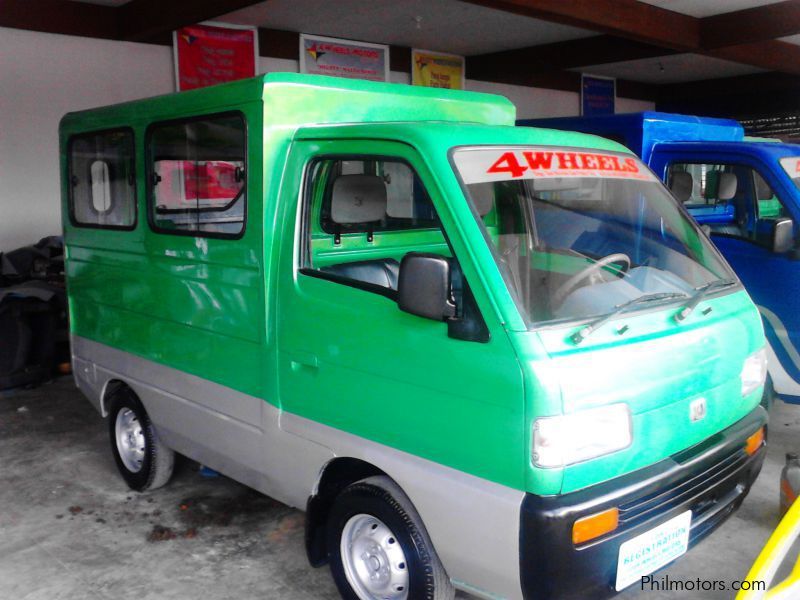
102,185
197,176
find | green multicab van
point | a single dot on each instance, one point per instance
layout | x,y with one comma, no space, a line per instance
482,357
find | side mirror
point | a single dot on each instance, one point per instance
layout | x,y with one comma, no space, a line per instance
783,236
424,287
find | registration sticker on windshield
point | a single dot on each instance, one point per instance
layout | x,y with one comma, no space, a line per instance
653,549
502,164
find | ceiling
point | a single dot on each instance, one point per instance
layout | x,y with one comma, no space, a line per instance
464,28
708,8
655,48
671,69
444,25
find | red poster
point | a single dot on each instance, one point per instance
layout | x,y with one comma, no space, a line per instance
210,54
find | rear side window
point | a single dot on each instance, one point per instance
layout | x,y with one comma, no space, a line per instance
101,179
197,176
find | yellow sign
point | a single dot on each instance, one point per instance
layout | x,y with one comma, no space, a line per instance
434,69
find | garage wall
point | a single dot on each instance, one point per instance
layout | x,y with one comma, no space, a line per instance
43,76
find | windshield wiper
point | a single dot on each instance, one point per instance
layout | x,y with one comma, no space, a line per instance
700,293
587,330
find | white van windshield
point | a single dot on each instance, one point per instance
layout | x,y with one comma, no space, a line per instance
580,233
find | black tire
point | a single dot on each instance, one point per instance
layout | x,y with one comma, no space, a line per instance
380,497
157,461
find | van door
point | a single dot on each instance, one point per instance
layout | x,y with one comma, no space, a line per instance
739,201
348,357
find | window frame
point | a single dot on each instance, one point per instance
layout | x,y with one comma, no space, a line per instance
71,188
306,215
150,171
757,167
375,158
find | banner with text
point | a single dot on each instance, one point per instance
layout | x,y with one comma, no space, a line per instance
598,95
208,54
434,69
343,58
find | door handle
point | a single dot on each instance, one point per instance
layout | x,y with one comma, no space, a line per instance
301,360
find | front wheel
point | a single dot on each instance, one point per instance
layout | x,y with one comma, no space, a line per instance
378,547
143,460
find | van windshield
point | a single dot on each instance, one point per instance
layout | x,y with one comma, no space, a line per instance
579,233
791,164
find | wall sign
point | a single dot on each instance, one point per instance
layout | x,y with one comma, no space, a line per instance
598,95
434,69
343,58
212,53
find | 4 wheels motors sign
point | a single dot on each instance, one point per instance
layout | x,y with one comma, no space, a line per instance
343,58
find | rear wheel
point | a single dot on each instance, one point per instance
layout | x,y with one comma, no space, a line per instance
378,547
143,460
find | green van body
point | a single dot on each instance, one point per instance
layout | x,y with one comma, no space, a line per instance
271,376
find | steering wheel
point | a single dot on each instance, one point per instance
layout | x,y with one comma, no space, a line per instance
570,284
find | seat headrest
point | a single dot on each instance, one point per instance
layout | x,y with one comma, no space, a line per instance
482,195
681,184
358,199
728,182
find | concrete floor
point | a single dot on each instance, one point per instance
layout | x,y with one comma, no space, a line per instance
70,528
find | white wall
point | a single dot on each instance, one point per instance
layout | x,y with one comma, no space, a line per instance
43,76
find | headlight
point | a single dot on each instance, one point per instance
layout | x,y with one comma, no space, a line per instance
568,439
754,371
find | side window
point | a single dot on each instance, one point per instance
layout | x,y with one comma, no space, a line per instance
769,207
197,176
362,215
101,178
730,199
408,205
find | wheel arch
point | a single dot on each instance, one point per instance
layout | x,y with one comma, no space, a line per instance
111,387
334,476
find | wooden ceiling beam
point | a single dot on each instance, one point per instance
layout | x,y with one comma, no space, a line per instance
750,25
654,28
755,94
596,50
771,55
142,19
59,16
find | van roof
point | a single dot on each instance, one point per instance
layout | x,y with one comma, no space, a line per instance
441,134
297,99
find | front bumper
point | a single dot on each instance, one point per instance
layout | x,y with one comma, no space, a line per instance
712,479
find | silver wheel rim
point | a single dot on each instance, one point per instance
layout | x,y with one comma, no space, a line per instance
130,440
374,563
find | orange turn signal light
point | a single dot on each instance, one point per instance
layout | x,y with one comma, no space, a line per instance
593,526
754,442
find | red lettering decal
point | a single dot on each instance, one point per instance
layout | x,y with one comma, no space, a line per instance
508,163
630,165
607,163
590,161
539,160
567,160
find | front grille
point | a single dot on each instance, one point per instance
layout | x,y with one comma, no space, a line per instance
661,501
